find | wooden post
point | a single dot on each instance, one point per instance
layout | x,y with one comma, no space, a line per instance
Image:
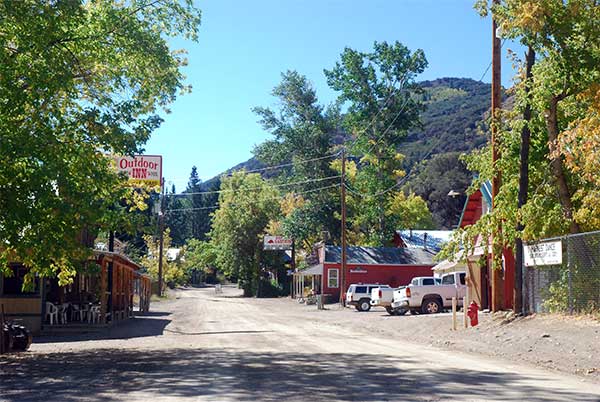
497,285
342,276
465,305
103,288
454,313
2,351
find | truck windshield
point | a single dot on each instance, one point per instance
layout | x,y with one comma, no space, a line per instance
448,280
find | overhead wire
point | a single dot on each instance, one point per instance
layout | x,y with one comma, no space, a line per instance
254,188
274,198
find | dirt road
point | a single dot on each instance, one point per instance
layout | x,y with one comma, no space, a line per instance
201,346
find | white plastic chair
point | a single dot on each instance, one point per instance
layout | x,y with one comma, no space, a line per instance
76,312
52,312
94,314
62,312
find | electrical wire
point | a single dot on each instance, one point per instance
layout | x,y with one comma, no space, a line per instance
287,164
255,188
399,183
275,198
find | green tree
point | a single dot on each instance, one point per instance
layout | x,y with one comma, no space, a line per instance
247,204
379,88
173,271
78,80
303,130
177,217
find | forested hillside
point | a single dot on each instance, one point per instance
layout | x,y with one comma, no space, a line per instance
455,109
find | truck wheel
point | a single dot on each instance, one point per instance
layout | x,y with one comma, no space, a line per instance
414,312
431,306
364,305
401,312
391,311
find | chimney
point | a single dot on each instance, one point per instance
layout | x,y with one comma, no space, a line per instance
425,240
411,234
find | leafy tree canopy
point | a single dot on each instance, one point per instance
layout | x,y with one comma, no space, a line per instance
78,81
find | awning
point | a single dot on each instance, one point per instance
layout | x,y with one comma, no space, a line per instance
449,266
314,270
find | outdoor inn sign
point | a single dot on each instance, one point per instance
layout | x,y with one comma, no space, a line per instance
140,169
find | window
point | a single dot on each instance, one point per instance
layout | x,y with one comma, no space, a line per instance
361,289
438,281
13,285
415,282
448,280
461,278
332,278
428,281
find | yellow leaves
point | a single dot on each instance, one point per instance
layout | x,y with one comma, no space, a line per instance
351,168
580,144
530,15
290,202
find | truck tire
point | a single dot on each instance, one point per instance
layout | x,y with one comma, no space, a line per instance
431,306
364,305
415,312
391,311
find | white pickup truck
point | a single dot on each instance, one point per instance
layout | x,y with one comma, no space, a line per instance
428,296
383,297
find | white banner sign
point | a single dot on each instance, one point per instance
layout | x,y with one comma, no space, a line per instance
141,168
549,253
277,243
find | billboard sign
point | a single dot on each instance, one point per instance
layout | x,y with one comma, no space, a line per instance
143,169
548,253
277,243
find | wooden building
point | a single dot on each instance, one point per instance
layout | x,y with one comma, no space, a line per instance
103,290
384,265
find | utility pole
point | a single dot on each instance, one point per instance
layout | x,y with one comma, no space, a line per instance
161,229
523,183
496,102
343,256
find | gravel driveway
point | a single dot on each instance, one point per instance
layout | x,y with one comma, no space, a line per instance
200,346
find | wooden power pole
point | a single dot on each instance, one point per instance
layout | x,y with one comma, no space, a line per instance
161,229
343,228
497,290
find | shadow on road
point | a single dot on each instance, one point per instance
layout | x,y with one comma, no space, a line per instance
140,326
217,375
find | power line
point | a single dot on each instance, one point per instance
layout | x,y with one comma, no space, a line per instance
275,198
288,164
490,65
255,188
400,182
302,161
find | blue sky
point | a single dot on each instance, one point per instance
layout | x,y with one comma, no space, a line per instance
245,45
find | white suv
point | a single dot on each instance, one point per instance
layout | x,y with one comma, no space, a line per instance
359,295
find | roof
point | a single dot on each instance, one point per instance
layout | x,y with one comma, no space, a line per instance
380,255
434,240
314,270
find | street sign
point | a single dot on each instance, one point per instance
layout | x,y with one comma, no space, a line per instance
547,253
277,243
141,169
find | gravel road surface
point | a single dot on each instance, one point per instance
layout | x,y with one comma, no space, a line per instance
200,346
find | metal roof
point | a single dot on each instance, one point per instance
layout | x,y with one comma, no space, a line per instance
380,255
434,240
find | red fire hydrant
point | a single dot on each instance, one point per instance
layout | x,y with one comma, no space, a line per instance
473,312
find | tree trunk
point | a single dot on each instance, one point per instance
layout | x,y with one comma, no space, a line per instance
523,184
564,195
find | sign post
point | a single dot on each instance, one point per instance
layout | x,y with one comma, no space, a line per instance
547,253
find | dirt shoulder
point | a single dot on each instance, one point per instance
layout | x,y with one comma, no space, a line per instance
559,343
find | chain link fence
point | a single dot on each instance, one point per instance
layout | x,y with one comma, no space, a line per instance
563,275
